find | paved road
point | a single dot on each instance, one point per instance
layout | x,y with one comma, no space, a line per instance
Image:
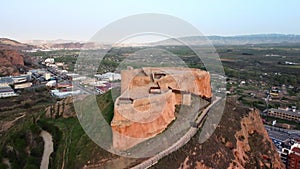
182,141
48,149
297,132
82,89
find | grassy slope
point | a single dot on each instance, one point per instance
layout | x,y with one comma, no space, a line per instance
16,142
73,148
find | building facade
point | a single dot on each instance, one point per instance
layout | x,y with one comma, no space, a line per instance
284,114
6,91
294,158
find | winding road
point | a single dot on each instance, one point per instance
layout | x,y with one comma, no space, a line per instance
182,141
48,149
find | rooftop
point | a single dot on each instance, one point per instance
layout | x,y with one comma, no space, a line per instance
297,113
6,80
4,89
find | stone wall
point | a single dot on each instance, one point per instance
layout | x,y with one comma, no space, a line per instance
150,114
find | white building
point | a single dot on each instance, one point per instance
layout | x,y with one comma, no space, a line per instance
109,76
23,85
51,83
21,78
6,91
64,94
49,60
47,76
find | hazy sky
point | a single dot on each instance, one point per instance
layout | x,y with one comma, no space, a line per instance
79,20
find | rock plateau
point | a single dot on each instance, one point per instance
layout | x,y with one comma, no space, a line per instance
147,102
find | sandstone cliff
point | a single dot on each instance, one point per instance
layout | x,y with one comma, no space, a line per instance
11,61
240,141
11,57
63,108
148,98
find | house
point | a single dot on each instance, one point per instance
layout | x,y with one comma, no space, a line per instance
6,81
64,93
291,156
109,76
21,78
294,157
6,91
23,85
284,114
49,60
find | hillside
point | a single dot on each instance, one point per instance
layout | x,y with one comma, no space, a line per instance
11,62
12,59
65,44
14,45
240,141
235,40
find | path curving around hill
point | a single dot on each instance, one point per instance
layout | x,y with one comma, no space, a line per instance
48,149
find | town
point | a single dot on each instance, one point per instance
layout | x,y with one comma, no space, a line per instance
59,81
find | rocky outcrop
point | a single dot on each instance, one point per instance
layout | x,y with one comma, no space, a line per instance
249,139
63,108
11,57
148,98
239,141
11,61
135,129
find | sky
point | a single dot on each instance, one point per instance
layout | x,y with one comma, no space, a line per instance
80,20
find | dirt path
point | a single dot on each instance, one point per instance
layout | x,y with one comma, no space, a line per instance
9,124
48,149
7,163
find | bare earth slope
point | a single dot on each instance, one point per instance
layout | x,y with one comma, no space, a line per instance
11,61
240,141
11,57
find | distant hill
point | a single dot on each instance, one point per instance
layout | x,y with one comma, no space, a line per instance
234,40
12,60
195,40
75,45
13,44
64,44
42,42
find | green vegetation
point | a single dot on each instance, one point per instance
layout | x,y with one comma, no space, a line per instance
72,147
106,103
22,145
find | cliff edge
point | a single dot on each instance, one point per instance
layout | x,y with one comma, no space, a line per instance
148,98
240,141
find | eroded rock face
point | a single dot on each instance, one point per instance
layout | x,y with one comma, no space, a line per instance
148,98
10,61
63,108
240,141
249,139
